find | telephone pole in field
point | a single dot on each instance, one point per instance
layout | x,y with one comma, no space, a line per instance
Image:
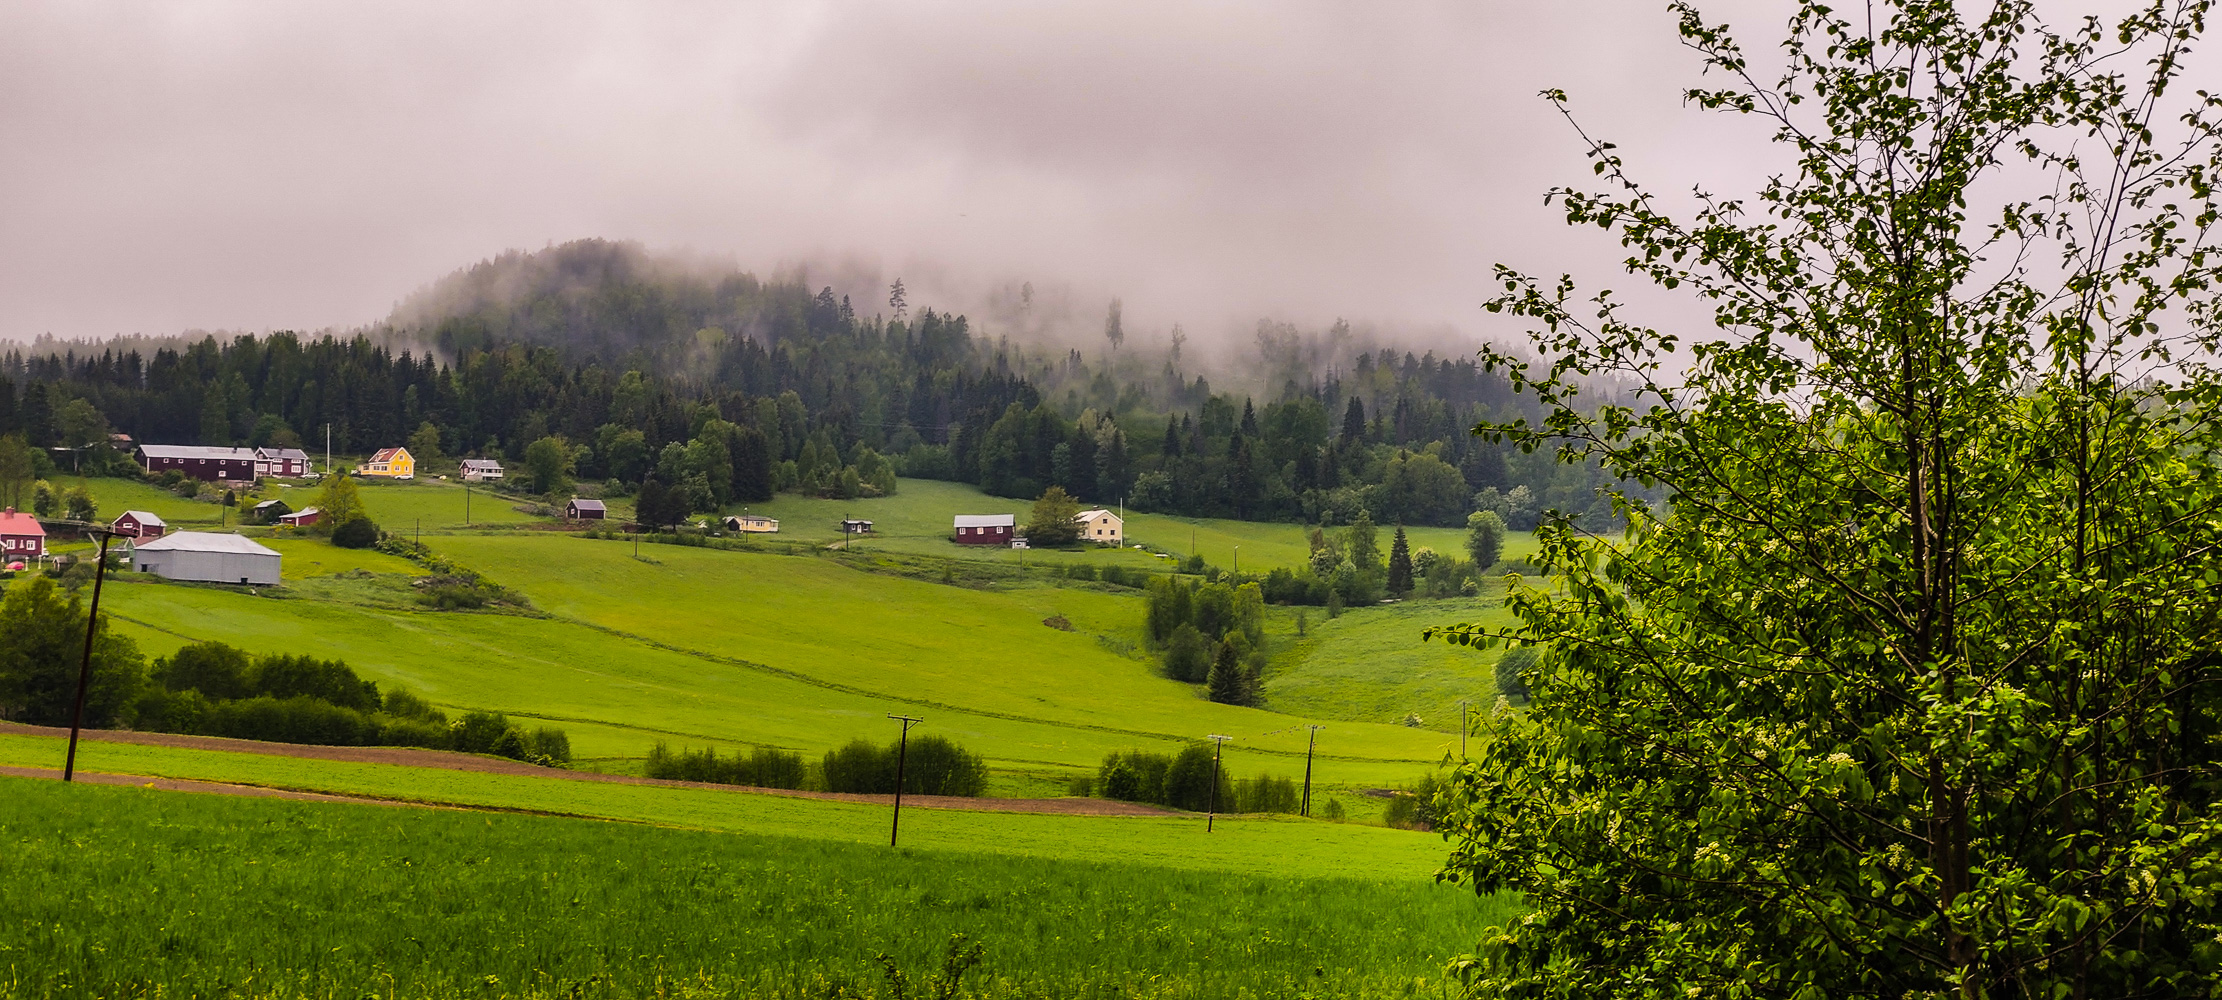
1212,815
902,750
1308,748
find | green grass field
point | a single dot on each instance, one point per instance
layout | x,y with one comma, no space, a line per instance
131,892
1371,666
439,506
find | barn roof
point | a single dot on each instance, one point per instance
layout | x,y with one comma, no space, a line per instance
142,517
585,504
206,541
987,520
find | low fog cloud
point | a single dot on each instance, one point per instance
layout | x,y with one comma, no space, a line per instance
255,166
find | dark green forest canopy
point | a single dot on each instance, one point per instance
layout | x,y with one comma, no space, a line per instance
593,341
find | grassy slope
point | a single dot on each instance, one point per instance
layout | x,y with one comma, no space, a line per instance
1370,665
120,891
980,664
1255,845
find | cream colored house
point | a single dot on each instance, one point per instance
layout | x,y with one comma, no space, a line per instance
1101,527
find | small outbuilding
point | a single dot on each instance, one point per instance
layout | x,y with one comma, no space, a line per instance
301,518
269,511
582,509
480,470
207,557
855,526
986,529
22,538
138,524
751,523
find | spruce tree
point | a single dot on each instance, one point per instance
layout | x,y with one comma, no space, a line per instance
1400,564
1228,684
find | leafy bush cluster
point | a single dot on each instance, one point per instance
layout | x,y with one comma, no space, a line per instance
932,765
1211,632
451,587
1414,808
1183,780
762,768
211,689
1121,576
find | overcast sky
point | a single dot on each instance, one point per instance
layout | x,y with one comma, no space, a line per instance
166,167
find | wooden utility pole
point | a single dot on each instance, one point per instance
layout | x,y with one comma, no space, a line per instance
1212,815
85,665
902,750
1308,748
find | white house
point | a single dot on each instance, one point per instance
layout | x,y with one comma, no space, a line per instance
481,470
207,557
281,463
1101,527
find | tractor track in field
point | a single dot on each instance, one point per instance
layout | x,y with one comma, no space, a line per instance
448,760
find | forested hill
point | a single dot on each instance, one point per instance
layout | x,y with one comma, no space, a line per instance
732,387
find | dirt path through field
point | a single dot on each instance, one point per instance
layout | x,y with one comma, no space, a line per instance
408,757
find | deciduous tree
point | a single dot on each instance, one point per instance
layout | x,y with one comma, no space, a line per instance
1908,687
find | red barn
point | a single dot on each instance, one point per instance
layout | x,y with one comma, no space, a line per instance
212,464
138,524
21,537
986,529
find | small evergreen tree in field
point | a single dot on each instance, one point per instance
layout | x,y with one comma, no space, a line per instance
1400,564
1229,683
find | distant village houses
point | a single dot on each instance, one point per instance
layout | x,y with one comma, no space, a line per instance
281,463
751,523
986,529
22,539
232,465
1101,527
138,524
389,463
207,557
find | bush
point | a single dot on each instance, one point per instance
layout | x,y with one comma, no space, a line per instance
478,732
298,719
360,533
762,768
1124,576
1188,655
1512,672
934,766
1267,794
1414,808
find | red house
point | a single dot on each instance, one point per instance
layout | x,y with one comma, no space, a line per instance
986,529
21,537
138,524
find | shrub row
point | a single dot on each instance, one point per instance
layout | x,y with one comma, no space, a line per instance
211,689
1122,576
1183,780
932,765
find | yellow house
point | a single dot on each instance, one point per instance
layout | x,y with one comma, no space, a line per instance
1101,527
751,523
390,463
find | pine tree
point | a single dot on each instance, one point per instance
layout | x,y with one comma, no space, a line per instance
1400,564
1354,421
1228,684
37,416
1172,439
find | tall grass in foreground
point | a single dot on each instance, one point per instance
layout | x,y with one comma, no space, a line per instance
120,892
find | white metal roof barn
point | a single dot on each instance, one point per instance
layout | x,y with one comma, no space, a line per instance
207,557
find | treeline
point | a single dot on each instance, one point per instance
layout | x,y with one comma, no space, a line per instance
1184,780
932,765
593,360
211,689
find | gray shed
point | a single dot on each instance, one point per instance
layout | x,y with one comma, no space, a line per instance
208,557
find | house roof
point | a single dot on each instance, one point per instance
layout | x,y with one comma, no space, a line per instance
196,451
20,525
294,454
584,504
1090,515
206,541
388,454
267,504
306,511
987,520
142,517
485,464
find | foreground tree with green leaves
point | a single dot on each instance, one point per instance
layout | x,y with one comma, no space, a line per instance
1908,686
